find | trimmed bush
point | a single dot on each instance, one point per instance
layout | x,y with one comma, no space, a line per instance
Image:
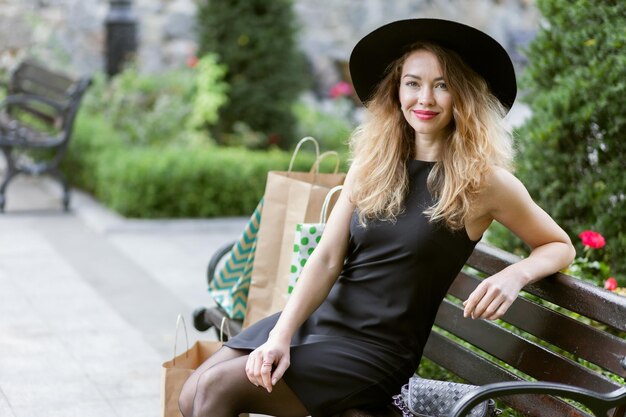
183,182
172,181
256,40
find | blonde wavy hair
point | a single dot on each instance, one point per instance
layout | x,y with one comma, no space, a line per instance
478,138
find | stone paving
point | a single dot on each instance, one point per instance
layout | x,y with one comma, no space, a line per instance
89,300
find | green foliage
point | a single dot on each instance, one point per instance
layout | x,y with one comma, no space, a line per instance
138,149
331,128
160,109
211,92
94,139
266,72
573,148
183,182
171,181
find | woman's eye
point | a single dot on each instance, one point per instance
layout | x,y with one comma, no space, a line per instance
411,84
442,86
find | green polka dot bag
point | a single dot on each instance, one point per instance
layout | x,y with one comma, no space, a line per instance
307,237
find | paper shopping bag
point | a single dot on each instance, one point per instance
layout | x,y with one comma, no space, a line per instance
176,371
306,238
231,283
290,198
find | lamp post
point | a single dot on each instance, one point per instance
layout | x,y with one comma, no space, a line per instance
121,35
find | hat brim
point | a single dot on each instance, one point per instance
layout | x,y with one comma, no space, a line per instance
372,55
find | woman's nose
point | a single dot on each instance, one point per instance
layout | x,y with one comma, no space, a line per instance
426,96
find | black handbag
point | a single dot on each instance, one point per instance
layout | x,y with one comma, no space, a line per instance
431,398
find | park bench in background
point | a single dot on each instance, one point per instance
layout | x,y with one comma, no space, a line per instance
36,120
540,339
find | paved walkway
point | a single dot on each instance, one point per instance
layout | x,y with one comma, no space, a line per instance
89,300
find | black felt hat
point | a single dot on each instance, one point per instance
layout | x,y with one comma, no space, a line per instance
372,55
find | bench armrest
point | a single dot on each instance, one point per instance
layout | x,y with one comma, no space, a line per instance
599,403
22,99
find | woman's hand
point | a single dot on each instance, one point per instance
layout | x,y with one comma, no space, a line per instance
493,297
267,363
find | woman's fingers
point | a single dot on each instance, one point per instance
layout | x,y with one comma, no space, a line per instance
259,368
282,366
266,371
500,311
251,367
490,300
266,365
472,302
484,301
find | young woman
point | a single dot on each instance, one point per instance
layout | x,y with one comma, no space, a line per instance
430,173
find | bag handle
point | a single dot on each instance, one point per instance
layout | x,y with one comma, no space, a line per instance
180,320
316,165
326,203
222,324
299,145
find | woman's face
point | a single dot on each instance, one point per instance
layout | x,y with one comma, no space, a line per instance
424,97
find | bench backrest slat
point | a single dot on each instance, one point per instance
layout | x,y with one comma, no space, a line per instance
524,355
565,291
555,328
31,78
479,371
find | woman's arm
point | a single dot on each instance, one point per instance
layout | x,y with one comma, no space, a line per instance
317,278
508,202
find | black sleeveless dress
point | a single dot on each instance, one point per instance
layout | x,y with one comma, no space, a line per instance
366,339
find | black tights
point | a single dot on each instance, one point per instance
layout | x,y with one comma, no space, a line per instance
221,388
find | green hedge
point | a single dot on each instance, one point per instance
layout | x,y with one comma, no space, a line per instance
179,182
158,182
572,149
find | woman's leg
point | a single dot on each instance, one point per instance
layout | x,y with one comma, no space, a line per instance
185,401
224,390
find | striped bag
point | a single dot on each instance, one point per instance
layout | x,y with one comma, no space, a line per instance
231,283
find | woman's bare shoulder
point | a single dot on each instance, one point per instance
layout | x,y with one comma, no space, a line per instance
499,188
499,181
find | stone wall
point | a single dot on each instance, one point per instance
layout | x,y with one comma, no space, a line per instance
330,28
70,33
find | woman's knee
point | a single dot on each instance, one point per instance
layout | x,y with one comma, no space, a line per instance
216,392
187,393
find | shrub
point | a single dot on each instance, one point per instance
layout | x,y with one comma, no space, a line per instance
93,139
332,128
572,149
266,72
160,109
211,92
171,181
179,182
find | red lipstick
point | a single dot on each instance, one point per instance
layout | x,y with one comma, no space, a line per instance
425,114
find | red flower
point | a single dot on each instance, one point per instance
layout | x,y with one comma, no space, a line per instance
610,284
592,239
192,61
342,88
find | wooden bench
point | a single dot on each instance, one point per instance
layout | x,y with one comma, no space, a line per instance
546,335
36,121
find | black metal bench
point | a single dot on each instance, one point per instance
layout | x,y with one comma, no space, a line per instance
547,336
36,121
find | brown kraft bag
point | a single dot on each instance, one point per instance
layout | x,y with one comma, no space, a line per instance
290,198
